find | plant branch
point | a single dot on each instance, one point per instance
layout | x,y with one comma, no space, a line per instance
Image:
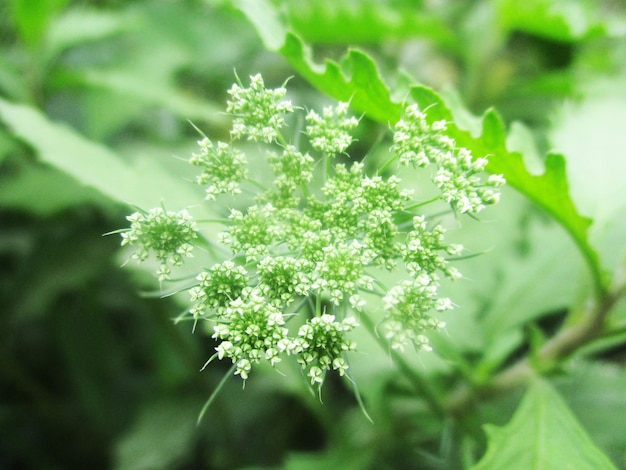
567,341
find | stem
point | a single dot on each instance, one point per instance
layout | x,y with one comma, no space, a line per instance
412,207
328,165
222,221
419,383
567,341
256,183
216,392
387,164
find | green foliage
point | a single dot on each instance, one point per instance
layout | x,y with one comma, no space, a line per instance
322,228
552,437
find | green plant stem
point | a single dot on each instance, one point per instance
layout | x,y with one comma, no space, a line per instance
419,383
567,341
386,165
215,393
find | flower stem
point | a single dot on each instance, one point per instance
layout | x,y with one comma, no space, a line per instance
419,383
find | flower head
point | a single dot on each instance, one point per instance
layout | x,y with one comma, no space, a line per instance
254,232
217,288
407,307
418,143
330,132
251,330
169,235
223,167
320,346
258,112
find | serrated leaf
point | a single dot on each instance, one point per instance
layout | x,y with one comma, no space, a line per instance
543,434
355,79
143,182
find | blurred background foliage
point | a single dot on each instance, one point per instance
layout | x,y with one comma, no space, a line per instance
93,374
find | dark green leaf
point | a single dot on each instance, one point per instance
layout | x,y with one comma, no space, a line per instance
162,435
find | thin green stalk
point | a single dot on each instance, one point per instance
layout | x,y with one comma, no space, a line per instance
387,164
419,383
217,390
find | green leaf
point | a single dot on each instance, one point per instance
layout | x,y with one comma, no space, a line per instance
559,20
355,79
32,18
364,21
595,392
144,182
543,434
162,435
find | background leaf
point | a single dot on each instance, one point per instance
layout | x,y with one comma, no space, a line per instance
596,161
161,436
143,182
365,21
543,434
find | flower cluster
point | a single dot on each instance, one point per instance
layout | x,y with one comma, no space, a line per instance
223,167
170,235
305,250
258,112
330,133
418,143
320,346
217,287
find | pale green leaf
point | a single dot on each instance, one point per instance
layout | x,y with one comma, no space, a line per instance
143,182
592,135
595,392
44,191
542,435
153,90
76,27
